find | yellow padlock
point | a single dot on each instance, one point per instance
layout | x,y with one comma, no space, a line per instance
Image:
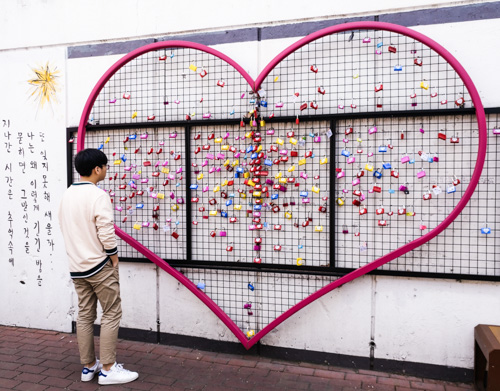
235,163
276,79
293,141
250,333
262,123
291,168
246,175
216,188
165,170
224,147
318,228
340,201
160,196
282,180
278,175
137,226
288,214
324,160
259,148
302,161
359,140
243,195
175,207
218,140
107,140
224,183
369,167
315,189
257,194
213,213
193,67
424,85
279,141
251,183
200,176
237,207
227,162
134,114
300,261
117,162
248,134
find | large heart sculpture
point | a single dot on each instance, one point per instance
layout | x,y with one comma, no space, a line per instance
255,86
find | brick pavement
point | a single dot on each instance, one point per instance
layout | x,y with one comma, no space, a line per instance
32,359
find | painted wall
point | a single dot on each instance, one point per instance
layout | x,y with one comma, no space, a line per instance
417,320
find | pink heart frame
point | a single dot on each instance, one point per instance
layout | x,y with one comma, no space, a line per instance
481,121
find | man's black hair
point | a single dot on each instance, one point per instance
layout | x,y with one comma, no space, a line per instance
88,159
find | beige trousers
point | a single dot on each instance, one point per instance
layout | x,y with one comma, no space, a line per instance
105,287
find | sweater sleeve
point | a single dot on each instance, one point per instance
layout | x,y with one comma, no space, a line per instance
105,224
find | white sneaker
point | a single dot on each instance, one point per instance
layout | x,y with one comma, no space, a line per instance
89,373
117,375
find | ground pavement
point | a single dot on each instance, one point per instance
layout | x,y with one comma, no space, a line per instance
32,359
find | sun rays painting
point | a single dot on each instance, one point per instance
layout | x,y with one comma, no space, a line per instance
44,85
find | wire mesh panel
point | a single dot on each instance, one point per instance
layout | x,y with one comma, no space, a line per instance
362,71
254,299
262,201
172,84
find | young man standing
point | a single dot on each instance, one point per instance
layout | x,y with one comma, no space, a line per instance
86,220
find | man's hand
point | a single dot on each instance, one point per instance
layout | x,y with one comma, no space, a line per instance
114,259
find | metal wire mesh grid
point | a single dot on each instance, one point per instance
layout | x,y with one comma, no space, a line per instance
254,299
362,71
174,84
278,219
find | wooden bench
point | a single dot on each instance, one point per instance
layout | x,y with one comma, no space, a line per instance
487,357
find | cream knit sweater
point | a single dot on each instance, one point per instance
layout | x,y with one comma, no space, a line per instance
86,220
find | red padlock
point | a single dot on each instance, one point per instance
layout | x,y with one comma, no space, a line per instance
377,189
277,247
363,211
442,136
303,106
277,227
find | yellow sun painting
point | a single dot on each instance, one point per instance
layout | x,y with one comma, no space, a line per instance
44,85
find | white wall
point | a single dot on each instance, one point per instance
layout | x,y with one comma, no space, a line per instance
418,320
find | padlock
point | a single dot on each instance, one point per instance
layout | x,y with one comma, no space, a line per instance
460,101
324,160
356,181
363,211
377,189
424,85
486,230
454,140
421,174
417,61
314,68
382,223
402,211
340,201
221,83
395,173
427,196
386,166
318,228
277,227
380,211
398,68
377,174
175,235
345,230
392,49
379,87
369,167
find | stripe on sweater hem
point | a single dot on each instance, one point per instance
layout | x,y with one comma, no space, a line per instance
91,272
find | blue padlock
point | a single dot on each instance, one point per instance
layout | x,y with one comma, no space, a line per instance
252,100
274,196
251,287
377,174
391,191
124,158
200,285
380,44
100,147
236,174
254,155
387,166
139,206
249,149
193,187
223,214
257,207
486,230
132,137
382,148
304,193
398,68
346,153
229,202
430,159
412,161
300,246
451,189
268,162
263,103
231,195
